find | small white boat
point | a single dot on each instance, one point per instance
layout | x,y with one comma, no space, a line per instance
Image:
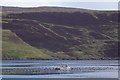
63,67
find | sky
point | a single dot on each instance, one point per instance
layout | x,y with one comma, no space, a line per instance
86,4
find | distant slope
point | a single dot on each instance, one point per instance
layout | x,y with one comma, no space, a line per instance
64,35
15,48
44,8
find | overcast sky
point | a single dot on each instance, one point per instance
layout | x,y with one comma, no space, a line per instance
87,4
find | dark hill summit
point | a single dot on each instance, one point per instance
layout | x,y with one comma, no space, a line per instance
44,8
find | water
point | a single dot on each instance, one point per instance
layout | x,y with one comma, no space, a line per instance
80,68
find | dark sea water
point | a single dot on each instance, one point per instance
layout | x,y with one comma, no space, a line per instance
80,68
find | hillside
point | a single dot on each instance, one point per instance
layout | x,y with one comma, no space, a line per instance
65,35
15,48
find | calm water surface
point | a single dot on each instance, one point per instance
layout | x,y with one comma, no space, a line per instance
81,68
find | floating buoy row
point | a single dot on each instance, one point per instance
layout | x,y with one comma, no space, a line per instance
57,70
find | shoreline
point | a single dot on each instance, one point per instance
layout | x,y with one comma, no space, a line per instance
60,59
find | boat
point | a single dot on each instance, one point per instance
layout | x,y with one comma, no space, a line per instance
63,67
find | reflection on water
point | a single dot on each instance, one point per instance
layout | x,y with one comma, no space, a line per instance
46,69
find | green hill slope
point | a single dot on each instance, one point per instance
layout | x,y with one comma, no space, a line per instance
15,48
